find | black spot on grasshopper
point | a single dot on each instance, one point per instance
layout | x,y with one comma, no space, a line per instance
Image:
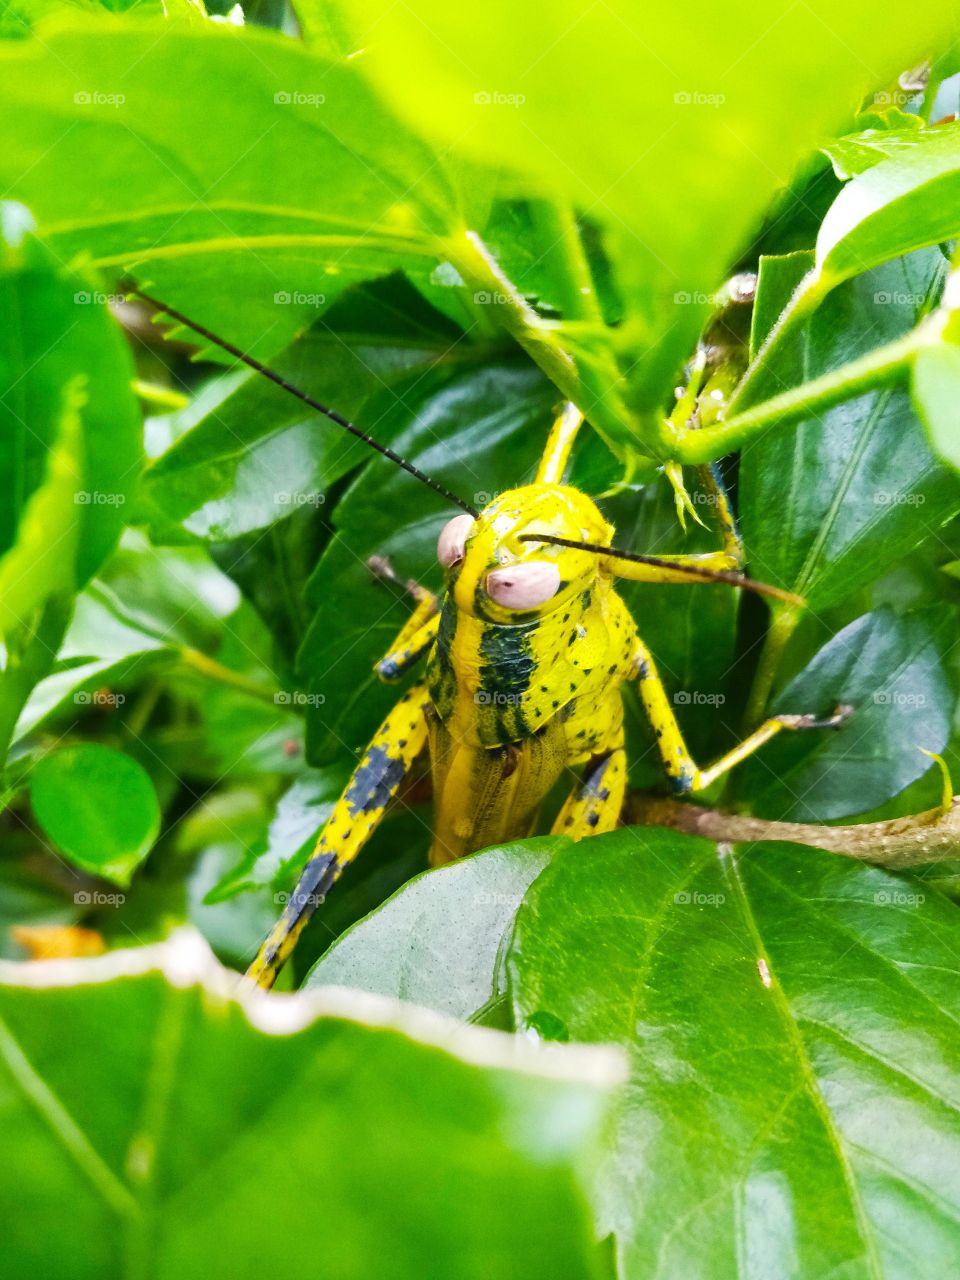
375,781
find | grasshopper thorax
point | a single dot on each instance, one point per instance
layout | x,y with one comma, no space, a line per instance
499,575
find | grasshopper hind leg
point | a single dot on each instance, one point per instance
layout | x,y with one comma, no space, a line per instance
374,783
595,803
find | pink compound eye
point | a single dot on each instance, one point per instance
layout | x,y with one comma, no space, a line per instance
453,539
524,586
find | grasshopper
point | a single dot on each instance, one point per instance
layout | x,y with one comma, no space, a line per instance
526,653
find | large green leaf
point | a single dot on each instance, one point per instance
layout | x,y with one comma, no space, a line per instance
69,452
893,672
648,120
257,455
795,1079
188,1130
233,172
70,440
828,505
439,941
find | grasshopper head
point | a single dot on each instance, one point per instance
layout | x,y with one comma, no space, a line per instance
499,576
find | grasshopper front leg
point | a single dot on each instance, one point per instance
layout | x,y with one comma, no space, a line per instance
356,815
681,769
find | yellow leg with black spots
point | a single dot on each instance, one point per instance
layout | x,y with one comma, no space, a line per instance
594,805
729,560
418,632
681,769
357,813
409,647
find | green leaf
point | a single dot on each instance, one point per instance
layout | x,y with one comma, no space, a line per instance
249,198
828,505
438,942
258,455
98,807
69,452
892,671
70,439
936,398
18,17
146,606
791,1024
614,105
300,814
855,153
180,1112
903,203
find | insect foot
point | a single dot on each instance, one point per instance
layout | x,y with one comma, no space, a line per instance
837,717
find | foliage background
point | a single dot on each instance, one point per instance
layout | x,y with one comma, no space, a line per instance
443,224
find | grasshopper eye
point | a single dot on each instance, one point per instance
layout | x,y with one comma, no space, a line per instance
524,586
452,540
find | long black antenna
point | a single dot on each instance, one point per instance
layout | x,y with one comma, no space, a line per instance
332,414
709,575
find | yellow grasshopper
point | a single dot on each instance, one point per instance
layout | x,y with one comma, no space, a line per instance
526,653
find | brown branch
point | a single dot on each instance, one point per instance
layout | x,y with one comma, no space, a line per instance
931,836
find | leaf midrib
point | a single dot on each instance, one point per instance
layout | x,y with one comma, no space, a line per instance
789,1021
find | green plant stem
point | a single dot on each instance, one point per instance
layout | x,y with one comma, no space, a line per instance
482,273
782,626
213,670
807,296
884,365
